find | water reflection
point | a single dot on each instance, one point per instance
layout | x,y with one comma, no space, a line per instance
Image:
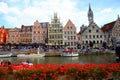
64,60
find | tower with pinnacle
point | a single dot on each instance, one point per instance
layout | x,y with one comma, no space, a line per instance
90,15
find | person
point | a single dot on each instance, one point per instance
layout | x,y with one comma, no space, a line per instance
117,52
9,63
1,62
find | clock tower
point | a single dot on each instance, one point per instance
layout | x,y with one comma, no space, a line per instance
90,15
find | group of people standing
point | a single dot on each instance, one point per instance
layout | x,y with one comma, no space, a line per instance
5,63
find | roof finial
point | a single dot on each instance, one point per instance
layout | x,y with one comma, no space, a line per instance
89,7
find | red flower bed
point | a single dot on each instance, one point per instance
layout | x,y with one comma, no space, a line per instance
70,71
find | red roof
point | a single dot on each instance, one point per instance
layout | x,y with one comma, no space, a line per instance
108,26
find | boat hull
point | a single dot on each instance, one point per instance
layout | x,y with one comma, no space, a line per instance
31,55
69,55
5,55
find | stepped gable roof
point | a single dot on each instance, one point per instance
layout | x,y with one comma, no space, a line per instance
108,26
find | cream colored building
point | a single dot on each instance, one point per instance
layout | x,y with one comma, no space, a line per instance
92,33
55,32
116,30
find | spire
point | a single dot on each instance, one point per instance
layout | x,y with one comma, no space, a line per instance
118,16
89,7
55,15
90,14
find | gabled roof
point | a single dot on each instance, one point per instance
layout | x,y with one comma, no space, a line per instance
108,26
81,31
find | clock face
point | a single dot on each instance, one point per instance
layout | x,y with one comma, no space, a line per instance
90,17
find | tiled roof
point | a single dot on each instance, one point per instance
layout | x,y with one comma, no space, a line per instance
108,26
44,24
26,27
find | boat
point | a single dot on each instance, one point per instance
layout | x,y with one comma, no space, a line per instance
31,55
69,53
5,55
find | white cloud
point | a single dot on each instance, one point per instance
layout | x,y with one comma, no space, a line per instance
106,10
43,11
3,8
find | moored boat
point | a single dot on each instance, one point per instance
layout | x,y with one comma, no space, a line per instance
5,55
31,55
70,53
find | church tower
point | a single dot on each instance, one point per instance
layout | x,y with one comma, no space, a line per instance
90,15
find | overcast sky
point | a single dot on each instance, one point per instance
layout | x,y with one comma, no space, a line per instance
14,13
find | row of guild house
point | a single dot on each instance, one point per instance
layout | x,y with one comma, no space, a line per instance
54,34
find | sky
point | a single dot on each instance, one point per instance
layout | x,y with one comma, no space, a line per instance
14,13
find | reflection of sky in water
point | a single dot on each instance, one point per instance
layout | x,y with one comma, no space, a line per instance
65,60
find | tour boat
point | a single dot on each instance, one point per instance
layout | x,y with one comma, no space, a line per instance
70,53
31,55
5,55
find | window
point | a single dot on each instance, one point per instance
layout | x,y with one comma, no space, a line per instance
89,31
97,31
93,36
93,27
90,36
86,36
64,32
71,43
34,32
97,36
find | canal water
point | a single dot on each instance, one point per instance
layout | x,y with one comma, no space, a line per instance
98,59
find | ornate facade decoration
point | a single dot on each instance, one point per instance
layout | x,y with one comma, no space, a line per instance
13,36
55,32
40,32
92,33
26,34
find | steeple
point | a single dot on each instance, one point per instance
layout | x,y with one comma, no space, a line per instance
55,15
90,15
118,16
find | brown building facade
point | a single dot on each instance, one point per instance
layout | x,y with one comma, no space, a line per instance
26,34
13,36
70,35
40,32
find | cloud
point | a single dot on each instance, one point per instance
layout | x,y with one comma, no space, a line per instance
43,11
106,10
17,12
3,8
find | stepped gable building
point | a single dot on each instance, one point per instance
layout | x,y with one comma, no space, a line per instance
92,33
112,31
26,34
70,35
40,32
3,32
55,32
13,36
